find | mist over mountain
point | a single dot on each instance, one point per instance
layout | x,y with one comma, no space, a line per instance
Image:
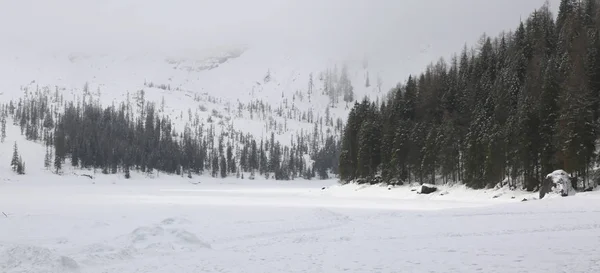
400,35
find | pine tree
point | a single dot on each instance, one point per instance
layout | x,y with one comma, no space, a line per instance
348,155
549,111
14,163
223,167
20,166
127,172
3,129
215,164
514,109
47,158
230,160
57,162
365,152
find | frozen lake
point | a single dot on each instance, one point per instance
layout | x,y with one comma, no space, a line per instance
286,227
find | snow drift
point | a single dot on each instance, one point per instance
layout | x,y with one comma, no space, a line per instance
557,182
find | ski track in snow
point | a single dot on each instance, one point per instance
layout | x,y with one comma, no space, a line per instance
104,228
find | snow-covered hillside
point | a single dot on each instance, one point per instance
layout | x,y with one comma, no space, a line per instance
222,80
285,96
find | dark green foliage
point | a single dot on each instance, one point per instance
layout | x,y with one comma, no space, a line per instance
2,128
20,167
14,162
116,139
215,164
223,166
511,111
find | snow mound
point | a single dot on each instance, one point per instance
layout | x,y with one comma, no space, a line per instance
22,258
165,238
98,254
159,238
558,183
175,221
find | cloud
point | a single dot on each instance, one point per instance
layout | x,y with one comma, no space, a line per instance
392,29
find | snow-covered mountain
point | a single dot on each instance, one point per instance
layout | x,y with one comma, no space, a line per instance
221,81
250,91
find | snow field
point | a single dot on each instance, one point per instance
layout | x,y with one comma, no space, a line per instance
265,226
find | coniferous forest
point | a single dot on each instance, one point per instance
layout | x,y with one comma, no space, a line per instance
118,139
511,110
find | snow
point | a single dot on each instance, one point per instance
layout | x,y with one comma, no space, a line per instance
166,223
267,226
218,84
561,183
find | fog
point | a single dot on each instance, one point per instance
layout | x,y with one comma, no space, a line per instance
392,30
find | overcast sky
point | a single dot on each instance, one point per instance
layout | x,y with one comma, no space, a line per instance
373,27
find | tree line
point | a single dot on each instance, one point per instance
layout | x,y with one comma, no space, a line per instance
117,139
511,110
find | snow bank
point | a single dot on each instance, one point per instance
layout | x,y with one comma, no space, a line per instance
168,235
558,182
24,258
457,192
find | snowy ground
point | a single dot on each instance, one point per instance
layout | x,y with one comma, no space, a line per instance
169,225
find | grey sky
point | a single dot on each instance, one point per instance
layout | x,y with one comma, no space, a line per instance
385,29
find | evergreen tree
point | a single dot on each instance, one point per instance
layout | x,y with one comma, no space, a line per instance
127,172
14,163
514,109
48,158
3,128
223,167
215,164
350,146
20,166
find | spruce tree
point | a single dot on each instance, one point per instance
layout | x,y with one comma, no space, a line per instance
215,164
514,109
223,167
47,158
14,163
57,162
20,166
127,172
230,160
3,129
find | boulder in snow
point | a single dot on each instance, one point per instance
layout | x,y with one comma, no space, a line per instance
427,189
557,182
